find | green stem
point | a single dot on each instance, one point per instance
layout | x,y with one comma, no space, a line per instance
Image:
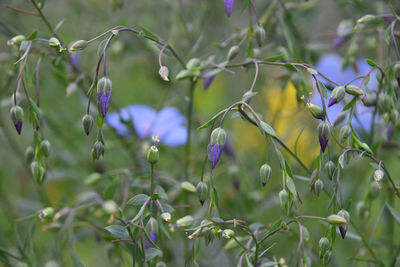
45,20
189,129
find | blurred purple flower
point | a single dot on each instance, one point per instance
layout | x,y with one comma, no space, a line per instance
168,124
331,65
104,102
207,80
215,153
343,231
229,6
153,238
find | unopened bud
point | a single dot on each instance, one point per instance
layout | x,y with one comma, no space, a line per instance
87,123
339,119
323,245
17,116
324,131
265,173
378,175
110,207
202,192
344,133
384,102
361,210
193,64
337,95
183,74
336,219
97,150
45,147
318,187
259,33
354,90
29,154
54,42
394,117
37,172
228,233
46,213
185,221
233,52
345,214
153,155
316,111
78,45
16,40
104,90
330,169
166,216
374,189
369,100
327,257
283,197
164,73
218,135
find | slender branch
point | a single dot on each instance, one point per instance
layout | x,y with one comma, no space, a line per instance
45,19
161,53
189,129
22,11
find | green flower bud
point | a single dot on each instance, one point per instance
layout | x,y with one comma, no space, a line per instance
369,100
283,197
166,216
330,169
345,214
259,34
318,187
110,207
316,111
374,190
265,173
345,132
202,192
78,45
394,117
193,64
97,150
233,52
188,186
16,40
87,123
185,221
338,93
323,245
54,42
45,147
17,116
324,131
327,257
361,210
378,175
37,172
354,90
164,73
340,118
153,155
183,74
218,135
29,154
336,219
384,102
46,213
161,264
365,19
227,233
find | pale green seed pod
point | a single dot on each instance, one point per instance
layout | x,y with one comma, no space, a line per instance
336,219
164,73
153,155
54,42
354,90
338,93
16,40
384,102
185,221
378,175
259,34
29,154
110,207
87,123
78,45
283,197
202,192
265,173
344,133
345,214
323,245
316,111
193,64
318,187
45,147
46,213
97,150
166,216
233,52
37,172
330,169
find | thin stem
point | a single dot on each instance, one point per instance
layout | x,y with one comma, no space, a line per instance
37,80
255,76
189,129
45,19
22,11
161,53
152,179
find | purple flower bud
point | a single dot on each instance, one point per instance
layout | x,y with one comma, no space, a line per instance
17,115
153,238
207,80
332,101
343,231
323,143
215,154
324,130
104,89
338,42
229,6
218,140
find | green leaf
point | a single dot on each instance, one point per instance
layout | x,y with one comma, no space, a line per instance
275,226
371,62
138,200
291,186
100,48
118,231
206,125
151,253
59,24
32,35
266,250
28,218
323,89
245,5
188,186
268,129
99,121
148,33
350,104
248,96
215,197
290,67
394,213
274,58
341,160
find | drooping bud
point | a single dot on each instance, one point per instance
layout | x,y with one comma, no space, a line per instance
324,131
153,155
46,213
394,117
265,173
384,102
335,219
202,192
97,150
233,52
344,133
378,175
54,42
184,221
369,100
110,207
17,116
316,111
164,73
343,228
183,74
323,245
228,233
337,95
374,189
218,139
207,80
104,89
229,4
330,169
29,154
87,123
152,229
259,34
354,90
361,210
283,197
78,45
45,147
166,216
16,40
318,187
37,172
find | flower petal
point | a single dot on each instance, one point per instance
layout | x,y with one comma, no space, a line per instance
142,117
114,120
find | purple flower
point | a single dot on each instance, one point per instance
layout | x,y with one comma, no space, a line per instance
332,101
153,238
215,154
207,80
218,139
323,143
18,126
104,89
229,6
168,124
343,231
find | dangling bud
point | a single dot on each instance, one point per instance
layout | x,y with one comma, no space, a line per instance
316,111
361,210
16,40
97,150
166,216
378,175
54,42
87,123
259,33
164,73
343,228
330,169
323,245
153,155
229,6
324,131
45,147
327,257
336,96
233,52
110,207
354,90
318,187
369,100
104,89
336,219
374,189
78,45
185,221
265,173
17,116
283,197
37,172
46,213
29,154
344,133
218,139
202,192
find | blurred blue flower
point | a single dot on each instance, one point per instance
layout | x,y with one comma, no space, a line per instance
153,238
331,65
168,124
